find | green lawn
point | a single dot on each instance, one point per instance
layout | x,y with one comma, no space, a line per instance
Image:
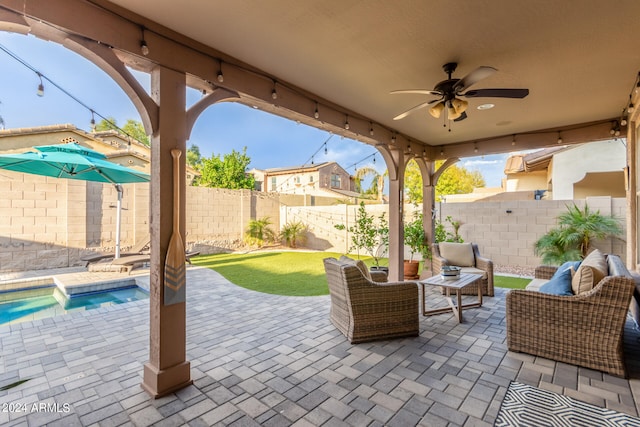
290,273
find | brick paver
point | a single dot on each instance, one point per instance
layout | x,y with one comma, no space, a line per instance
270,360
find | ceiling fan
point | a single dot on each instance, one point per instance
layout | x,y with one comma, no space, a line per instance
449,92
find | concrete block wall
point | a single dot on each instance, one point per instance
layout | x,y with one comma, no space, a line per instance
48,222
506,238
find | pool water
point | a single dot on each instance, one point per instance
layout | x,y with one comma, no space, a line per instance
34,304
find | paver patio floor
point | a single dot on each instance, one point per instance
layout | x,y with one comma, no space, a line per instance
260,359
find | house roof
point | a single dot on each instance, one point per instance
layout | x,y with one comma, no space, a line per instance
299,169
531,162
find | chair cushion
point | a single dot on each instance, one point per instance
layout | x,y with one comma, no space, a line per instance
592,269
473,270
536,284
460,254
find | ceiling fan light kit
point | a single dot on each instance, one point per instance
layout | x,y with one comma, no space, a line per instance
450,91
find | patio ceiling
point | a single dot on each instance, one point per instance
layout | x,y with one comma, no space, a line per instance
574,57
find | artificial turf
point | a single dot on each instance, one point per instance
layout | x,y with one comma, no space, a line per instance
292,273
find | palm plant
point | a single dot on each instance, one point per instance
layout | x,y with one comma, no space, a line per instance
577,230
258,232
293,233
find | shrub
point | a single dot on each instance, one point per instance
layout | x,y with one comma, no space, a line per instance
258,232
293,233
572,239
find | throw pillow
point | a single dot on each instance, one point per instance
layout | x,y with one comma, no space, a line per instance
358,263
459,254
559,284
585,278
597,260
584,281
567,266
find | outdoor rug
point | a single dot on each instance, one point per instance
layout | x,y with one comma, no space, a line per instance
525,405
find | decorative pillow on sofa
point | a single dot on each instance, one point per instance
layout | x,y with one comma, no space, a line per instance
591,271
459,254
560,282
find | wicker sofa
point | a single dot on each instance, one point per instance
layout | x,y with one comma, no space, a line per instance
366,310
585,330
472,262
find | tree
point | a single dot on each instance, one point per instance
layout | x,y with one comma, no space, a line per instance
572,239
194,158
368,233
228,171
132,128
377,184
455,180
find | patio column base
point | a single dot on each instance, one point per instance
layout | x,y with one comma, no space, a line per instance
159,383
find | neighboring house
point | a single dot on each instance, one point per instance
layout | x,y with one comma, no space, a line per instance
572,172
117,147
559,173
326,179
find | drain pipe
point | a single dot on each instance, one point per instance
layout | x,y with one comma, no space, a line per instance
118,219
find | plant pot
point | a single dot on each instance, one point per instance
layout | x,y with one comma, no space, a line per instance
411,270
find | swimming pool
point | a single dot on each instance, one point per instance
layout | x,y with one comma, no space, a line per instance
49,301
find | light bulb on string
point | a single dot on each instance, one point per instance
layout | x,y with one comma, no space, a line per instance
220,76
93,122
40,91
144,48
316,113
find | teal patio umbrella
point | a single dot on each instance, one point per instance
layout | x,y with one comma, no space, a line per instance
73,161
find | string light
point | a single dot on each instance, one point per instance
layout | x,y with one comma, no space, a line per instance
316,113
40,91
143,44
559,138
220,76
43,77
346,122
371,132
93,121
513,140
274,93
475,148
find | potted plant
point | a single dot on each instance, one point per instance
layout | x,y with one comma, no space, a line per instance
416,239
369,234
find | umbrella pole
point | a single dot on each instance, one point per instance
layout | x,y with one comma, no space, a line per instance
118,219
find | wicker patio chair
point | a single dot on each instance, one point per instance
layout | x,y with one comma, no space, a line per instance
585,330
475,264
364,310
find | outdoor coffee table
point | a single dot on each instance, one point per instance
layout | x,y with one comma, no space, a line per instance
466,279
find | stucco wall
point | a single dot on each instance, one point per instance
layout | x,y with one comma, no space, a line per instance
571,166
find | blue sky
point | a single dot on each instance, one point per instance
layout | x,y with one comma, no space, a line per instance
271,141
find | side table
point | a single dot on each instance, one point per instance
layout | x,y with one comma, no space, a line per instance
466,279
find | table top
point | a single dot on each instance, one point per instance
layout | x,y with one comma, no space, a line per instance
465,279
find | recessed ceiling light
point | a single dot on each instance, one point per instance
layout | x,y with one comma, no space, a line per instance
485,106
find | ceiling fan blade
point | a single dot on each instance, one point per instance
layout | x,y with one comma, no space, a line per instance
411,110
462,117
473,77
421,91
497,93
